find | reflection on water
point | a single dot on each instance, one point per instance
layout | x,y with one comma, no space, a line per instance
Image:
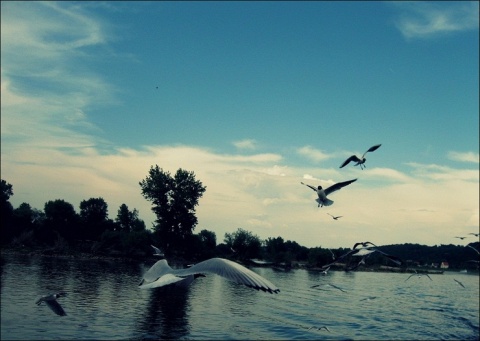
104,302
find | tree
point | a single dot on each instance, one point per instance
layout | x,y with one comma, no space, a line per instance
94,216
174,200
60,217
6,191
244,244
129,221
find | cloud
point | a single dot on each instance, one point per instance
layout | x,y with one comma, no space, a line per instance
429,19
246,144
464,157
313,154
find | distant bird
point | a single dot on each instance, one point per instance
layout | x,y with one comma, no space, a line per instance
325,271
460,283
330,285
322,199
158,252
475,234
419,275
462,238
368,298
161,274
51,301
320,328
333,255
335,217
360,161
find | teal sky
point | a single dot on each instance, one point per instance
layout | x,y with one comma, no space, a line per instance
254,97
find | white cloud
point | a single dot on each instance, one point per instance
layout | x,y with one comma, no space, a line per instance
313,154
425,19
246,144
464,157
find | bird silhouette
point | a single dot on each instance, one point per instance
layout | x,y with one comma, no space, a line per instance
335,217
360,161
322,199
51,301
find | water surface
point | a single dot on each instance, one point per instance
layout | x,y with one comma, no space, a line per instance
104,302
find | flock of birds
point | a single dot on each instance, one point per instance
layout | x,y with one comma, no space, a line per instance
161,274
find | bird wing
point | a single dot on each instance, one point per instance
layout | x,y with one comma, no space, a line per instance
364,252
309,186
410,276
394,259
470,246
56,307
162,281
459,282
231,271
372,149
429,277
157,250
347,161
157,270
334,286
338,186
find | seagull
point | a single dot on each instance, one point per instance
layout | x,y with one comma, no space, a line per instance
368,298
335,217
475,234
360,161
158,252
333,255
322,199
331,285
51,301
320,328
462,238
325,271
419,275
161,274
460,283
364,244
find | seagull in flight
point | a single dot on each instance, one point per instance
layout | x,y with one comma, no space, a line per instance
475,234
330,285
51,301
322,199
360,161
158,252
419,275
320,328
325,271
161,274
462,238
460,283
335,217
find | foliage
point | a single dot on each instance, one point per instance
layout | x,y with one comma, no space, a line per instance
244,244
174,200
128,221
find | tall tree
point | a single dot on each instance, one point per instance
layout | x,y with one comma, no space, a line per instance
6,210
60,216
174,200
127,220
244,244
94,216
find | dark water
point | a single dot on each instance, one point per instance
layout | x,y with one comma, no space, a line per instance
104,302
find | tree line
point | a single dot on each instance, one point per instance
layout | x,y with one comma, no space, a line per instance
58,228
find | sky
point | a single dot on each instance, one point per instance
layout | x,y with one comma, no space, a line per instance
254,98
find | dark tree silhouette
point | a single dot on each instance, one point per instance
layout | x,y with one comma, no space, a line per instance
174,200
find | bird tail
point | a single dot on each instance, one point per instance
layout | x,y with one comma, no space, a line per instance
327,202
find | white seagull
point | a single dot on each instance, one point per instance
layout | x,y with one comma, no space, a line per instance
322,199
158,252
360,161
161,274
51,301
419,275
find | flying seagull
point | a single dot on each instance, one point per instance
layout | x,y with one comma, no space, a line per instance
360,161
333,255
51,301
335,217
320,328
158,252
325,271
475,234
462,238
419,275
161,274
330,285
322,199
460,283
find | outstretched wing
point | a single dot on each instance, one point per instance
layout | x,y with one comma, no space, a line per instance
372,149
231,271
309,186
338,186
347,161
158,269
162,281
